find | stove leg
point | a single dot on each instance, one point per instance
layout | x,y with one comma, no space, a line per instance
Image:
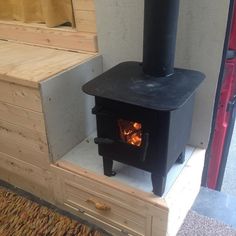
107,167
159,184
181,158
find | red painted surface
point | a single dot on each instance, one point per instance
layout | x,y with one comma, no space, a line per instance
222,121
222,118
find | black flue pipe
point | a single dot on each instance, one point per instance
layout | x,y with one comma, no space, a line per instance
160,30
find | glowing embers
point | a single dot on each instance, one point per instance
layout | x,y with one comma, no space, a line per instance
130,132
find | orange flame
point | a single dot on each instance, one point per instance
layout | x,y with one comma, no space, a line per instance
130,132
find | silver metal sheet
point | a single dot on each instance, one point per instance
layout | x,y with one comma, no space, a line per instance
67,110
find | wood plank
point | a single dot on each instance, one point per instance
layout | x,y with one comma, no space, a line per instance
85,21
127,194
24,144
93,220
59,199
155,230
20,95
105,188
27,177
85,15
119,214
22,117
62,38
87,5
28,65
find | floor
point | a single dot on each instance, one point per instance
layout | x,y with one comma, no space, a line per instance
221,205
229,182
217,205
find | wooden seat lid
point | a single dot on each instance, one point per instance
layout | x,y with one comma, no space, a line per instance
29,65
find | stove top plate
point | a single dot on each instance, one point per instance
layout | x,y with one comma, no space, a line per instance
127,83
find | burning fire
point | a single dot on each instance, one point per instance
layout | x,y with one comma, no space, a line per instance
130,132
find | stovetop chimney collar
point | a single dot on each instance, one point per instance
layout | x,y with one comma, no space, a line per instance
160,30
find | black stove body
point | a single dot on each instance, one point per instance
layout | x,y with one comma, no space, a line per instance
144,110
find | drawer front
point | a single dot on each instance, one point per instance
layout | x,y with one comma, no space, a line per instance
22,96
111,202
104,208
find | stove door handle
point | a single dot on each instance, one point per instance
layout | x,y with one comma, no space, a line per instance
145,147
103,141
100,111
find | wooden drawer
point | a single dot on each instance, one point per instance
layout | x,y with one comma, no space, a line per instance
104,208
107,202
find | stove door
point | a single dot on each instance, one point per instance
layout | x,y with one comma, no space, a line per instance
132,135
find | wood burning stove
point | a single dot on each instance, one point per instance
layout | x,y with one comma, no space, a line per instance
144,110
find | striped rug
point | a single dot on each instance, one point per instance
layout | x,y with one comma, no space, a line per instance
22,217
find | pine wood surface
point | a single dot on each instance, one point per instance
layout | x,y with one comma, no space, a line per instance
134,194
28,65
85,15
24,144
130,211
81,38
19,95
26,176
22,117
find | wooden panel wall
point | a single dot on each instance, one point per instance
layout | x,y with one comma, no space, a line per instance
22,128
27,177
20,96
85,16
83,38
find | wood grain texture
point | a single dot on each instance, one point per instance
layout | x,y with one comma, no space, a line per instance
82,38
85,15
119,214
37,34
21,96
85,21
24,144
139,206
28,65
164,216
22,117
26,176
87,5
118,188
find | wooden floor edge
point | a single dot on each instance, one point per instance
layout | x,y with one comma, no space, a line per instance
147,197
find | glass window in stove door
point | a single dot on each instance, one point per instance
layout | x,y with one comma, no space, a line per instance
130,132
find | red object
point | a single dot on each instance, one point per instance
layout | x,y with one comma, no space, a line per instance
222,120
223,115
